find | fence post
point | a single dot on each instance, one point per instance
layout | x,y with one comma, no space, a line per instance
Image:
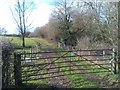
5,68
17,69
114,61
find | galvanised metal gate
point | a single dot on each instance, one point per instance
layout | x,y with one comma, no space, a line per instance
50,64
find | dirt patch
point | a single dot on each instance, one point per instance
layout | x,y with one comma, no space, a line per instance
60,81
101,82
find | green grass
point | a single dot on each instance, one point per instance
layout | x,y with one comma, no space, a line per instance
29,41
88,65
76,80
43,43
94,68
36,85
17,41
29,80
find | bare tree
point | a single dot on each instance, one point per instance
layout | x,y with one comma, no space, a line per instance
3,31
63,14
40,32
21,15
104,21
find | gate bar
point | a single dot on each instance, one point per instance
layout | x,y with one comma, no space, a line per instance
114,59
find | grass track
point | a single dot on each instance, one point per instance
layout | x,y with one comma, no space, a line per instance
28,41
76,81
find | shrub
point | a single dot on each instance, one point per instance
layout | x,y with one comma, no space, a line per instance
7,62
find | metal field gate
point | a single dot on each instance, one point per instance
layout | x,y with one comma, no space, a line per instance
57,67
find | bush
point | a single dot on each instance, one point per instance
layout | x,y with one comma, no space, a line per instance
7,63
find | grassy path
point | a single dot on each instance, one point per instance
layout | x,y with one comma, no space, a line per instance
102,83
85,74
57,82
71,77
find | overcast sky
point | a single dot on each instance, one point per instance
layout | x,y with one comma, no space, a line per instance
39,16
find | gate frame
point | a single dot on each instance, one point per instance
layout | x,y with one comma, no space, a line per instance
18,69
114,61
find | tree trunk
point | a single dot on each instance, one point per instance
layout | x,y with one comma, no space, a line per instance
23,41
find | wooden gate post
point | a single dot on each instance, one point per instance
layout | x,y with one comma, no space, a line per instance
114,59
17,69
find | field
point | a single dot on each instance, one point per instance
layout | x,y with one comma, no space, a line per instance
28,41
70,74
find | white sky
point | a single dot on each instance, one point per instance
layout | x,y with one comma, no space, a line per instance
39,16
